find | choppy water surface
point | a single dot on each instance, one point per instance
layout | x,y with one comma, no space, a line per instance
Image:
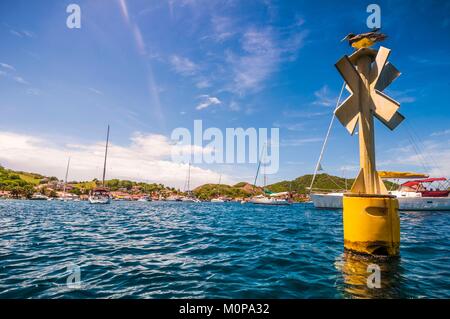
207,250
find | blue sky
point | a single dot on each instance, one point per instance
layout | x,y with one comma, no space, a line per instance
147,67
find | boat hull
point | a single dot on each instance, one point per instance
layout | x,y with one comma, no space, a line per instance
102,200
424,203
334,201
327,201
270,202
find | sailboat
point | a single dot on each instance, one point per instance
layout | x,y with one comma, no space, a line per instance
65,197
269,198
190,197
100,195
218,199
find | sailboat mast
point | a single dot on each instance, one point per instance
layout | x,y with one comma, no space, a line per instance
106,155
265,177
189,179
218,186
65,179
259,165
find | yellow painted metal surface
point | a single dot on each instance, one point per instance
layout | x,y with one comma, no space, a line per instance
371,224
386,174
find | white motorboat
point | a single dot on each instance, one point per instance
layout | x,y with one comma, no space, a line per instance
189,199
327,200
99,200
413,195
173,199
265,200
99,196
39,197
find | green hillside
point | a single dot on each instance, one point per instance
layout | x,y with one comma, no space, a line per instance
18,183
240,190
31,178
21,184
323,182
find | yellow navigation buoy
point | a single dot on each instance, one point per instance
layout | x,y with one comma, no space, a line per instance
370,217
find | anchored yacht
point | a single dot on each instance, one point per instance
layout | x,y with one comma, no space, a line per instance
101,195
420,194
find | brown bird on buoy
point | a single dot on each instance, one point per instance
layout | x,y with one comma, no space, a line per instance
364,40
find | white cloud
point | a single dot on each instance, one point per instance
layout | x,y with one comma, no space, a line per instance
20,80
18,34
33,91
440,133
262,54
324,97
146,158
303,114
429,156
202,84
183,66
93,90
22,34
350,168
401,96
207,101
257,64
223,28
124,10
301,141
28,33
7,66
234,106
290,126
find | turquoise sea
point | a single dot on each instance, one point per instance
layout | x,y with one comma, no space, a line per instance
207,250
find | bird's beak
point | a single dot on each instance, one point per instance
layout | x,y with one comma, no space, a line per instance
346,37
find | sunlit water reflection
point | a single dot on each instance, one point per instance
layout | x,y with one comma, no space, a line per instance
213,250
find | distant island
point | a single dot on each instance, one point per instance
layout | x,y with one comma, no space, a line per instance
26,185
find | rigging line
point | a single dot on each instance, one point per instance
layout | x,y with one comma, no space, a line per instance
416,149
339,187
421,144
417,143
419,156
326,137
106,155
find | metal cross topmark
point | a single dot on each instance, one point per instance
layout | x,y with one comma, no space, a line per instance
382,106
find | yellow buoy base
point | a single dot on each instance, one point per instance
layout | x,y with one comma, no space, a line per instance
371,224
